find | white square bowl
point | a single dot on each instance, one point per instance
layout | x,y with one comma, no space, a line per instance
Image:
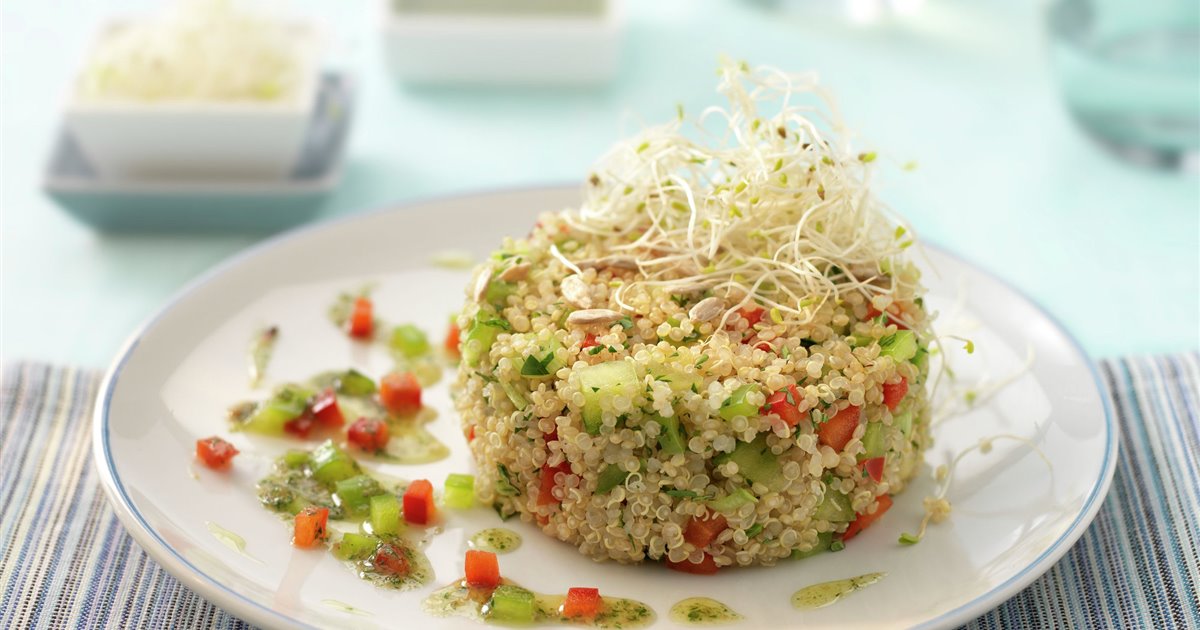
127,139
528,48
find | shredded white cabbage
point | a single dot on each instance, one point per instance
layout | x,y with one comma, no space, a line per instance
199,50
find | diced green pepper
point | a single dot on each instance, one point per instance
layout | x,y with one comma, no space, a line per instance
733,500
355,546
385,514
610,476
460,490
756,462
604,380
872,440
354,493
409,341
286,404
355,383
835,507
295,458
736,404
900,345
670,438
511,604
331,464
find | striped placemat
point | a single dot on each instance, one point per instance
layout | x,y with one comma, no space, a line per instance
65,561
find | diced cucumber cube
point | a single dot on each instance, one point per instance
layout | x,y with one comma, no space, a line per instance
355,492
733,500
514,395
604,380
678,380
409,341
873,440
670,439
504,484
480,338
835,507
824,540
904,422
900,345
355,546
460,490
498,291
756,462
331,464
610,476
736,404
510,604
385,514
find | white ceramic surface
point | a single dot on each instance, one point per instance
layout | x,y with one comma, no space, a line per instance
481,49
192,139
1013,516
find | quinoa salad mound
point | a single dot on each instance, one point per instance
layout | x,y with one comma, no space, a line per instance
719,358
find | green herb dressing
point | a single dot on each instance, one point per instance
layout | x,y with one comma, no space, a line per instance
496,540
459,600
229,539
703,611
826,593
261,348
344,607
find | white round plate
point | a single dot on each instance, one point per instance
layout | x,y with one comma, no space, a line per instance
1013,515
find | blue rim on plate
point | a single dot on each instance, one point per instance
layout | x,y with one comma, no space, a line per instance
222,595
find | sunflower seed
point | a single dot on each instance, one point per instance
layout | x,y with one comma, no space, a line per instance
575,291
593,316
515,272
706,309
481,283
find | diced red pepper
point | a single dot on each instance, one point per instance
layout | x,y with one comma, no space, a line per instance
301,425
874,468
400,393
471,434
701,532
837,431
311,526
893,393
884,502
215,452
390,560
784,403
546,493
362,319
764,346
451,342
582,602
589,342
752,314
482,569
418,503
706,566
369,434
325,409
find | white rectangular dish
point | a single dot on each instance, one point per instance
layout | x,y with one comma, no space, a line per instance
250,140
578,44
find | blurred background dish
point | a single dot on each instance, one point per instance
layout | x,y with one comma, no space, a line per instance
1130,73
482,42
212,204
204,90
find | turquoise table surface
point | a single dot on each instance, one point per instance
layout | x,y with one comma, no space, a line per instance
1005,179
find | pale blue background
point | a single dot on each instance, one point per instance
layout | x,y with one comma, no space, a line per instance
964,88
